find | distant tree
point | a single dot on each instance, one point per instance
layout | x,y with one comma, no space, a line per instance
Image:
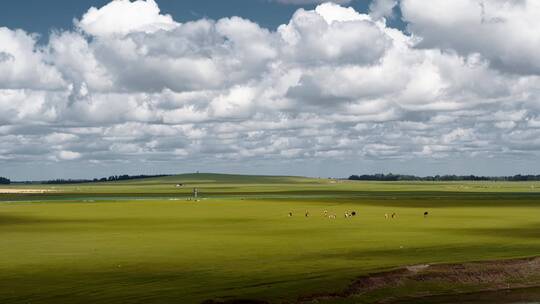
4,181
111,178
400,177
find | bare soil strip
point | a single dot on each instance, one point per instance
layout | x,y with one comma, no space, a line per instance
440,279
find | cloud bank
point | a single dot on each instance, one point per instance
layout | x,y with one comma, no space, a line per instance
131,84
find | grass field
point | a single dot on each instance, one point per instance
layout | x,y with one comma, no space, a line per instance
142,241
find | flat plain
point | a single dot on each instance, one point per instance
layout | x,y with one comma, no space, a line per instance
147,241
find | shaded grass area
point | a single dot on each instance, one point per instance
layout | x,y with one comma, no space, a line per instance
521,295
104,245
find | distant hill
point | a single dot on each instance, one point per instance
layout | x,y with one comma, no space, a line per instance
202,178
191,178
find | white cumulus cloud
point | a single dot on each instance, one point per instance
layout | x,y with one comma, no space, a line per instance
124,16
505,32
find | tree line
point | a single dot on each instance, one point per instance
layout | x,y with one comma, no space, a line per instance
4,181
111,178
402,177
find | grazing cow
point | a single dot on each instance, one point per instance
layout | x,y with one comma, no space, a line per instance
426,214
353,213
347,215
386,215
394,215
307,213
325,212
290,214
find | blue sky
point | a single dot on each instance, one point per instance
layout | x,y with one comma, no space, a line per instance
348,87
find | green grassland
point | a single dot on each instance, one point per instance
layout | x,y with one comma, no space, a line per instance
143,241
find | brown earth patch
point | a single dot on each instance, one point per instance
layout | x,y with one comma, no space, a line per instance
449,278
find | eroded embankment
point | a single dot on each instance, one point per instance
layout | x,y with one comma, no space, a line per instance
439,279
428,280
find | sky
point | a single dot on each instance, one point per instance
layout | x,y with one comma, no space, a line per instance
94,88
60,13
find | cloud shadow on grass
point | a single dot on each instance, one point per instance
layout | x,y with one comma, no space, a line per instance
524,232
